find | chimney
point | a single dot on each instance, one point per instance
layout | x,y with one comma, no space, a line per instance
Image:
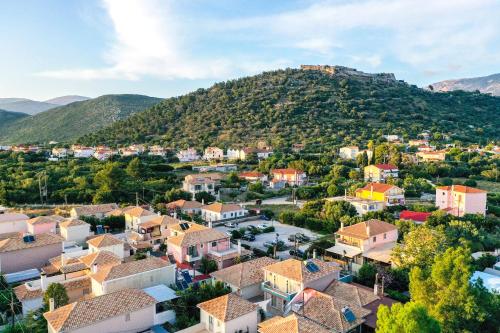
51,305
239,247
148,254
63,259
341,226
203,202
315,253
368,228
175,214
375,286
159,213
43,281
210,224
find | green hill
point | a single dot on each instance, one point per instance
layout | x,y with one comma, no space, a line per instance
8,117
68,122
289,106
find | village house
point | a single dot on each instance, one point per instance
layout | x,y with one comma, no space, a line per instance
293,323
245,278
229,313
219,211
74,230
392,137
138,274
418,142
189,242
390,195
284,279
185,206
261,153
431,156
80,151
290,177
368,241
128,311
13,222
158,151
253,176
107,242
363,206
151,233
188,155
98,211
60,152
104,153
220,167
137,215
425,148
43,224
298,147
18,252
349,152
459,200
203,182
380,172
213,153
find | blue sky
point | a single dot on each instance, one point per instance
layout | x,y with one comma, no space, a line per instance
165,48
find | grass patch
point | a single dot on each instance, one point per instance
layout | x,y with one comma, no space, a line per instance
276,209
486,185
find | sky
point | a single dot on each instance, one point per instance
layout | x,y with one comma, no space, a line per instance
166,48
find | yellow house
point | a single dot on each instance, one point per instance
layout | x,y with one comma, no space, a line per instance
380,172
391,195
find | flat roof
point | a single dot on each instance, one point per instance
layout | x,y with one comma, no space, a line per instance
344,250
161,293
490,281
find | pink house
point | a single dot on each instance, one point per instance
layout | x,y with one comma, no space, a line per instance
189,242
292,177
43,224
459,200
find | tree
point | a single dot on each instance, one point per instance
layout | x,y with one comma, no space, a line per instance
204,197
58,293
233,178
405,318
134,168
445,290
366,274
419,247
208,266
256,187
177,194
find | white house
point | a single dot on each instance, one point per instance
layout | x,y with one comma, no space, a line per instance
349,152
74,230
80,151
219,211
362,206
109,243
188,155
213,153
13,222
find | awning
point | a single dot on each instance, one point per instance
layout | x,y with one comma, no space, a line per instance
161,293
344,250
380,253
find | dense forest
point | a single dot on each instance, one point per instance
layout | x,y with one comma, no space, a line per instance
291,106
8,117
68,122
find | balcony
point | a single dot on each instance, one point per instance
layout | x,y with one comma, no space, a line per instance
267,287
193,257
221,253
346,242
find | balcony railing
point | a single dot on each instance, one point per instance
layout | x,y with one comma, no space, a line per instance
193,257
267,287
346,242
220,253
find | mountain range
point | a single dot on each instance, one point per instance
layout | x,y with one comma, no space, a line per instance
486,84
31,107
69,122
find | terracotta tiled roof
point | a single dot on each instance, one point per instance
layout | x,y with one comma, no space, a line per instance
192,227
326,310
43,220
386,166
244,274
197,237
6,235
461,189
287,171
360,230
218,207
72,223
104,241
24,293
291,324
251,174
377,187
415,216
139,212
129,268
101,258
184,204
17,243
95,209
296,270
228,307
350,293
85,313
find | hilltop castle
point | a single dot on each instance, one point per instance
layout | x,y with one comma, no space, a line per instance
346,71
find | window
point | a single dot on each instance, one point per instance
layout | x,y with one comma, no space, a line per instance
214,244
385,236
151,278
374,239
127,317
201,245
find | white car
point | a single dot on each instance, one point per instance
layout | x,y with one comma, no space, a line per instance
262,226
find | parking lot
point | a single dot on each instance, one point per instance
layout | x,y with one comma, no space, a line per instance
284,231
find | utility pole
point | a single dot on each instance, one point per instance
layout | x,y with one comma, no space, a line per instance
136,199
66,199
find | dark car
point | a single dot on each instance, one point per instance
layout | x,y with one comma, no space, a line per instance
265,218
296,253
248,237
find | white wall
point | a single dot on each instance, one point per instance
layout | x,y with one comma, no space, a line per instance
13,226
77,233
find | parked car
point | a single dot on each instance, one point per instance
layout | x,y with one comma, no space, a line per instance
262,226
269,244
301,238
265,218
251,228
248,237
296,253
231,225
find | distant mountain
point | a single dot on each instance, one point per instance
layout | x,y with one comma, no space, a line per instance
65,100
66,123
24,105
8,117
320,106
486,84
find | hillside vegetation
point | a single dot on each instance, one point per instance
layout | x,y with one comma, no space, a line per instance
8,117
67,123
290,106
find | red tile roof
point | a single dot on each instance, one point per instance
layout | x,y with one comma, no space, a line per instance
461,189
377,187
287,171
386,166
414,216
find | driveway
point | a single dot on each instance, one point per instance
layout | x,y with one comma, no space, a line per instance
284,230
277,201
